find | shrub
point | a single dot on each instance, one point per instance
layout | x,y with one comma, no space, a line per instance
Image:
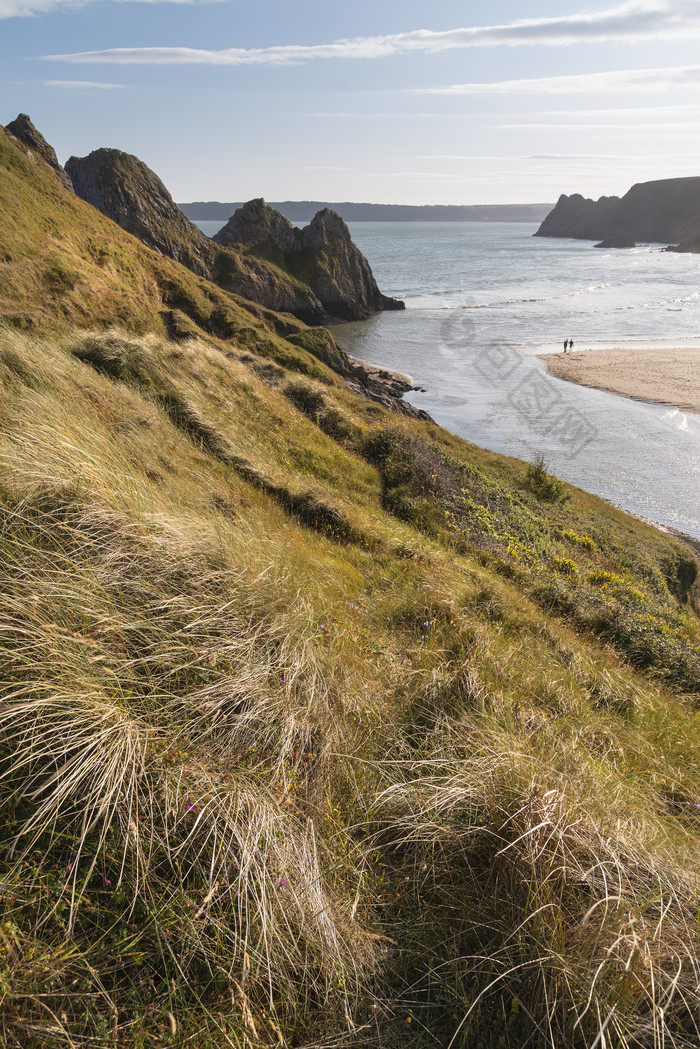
602,578
546,486
306,397
580,540
114,354
566,566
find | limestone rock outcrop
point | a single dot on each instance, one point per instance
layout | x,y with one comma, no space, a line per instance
322,254
124,188
578,217
320,277
258,223
23,130
666,211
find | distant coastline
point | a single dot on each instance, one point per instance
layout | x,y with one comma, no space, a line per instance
304,211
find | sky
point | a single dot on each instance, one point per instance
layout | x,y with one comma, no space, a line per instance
388,101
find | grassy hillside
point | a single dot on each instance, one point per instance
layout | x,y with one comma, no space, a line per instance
320,726
63,263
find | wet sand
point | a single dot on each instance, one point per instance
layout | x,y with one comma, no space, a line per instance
665,376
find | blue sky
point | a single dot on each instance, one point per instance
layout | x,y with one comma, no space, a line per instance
383,101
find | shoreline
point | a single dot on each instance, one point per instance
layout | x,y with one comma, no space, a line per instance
393,381
387,374
669,377
384,385
684,537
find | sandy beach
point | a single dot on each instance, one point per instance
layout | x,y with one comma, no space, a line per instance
664,376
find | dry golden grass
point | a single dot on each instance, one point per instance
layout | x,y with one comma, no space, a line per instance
265,783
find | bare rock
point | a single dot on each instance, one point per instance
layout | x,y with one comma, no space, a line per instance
257,223
322,254
125,189
665,211
578,217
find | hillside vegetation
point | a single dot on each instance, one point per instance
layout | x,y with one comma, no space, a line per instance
320,726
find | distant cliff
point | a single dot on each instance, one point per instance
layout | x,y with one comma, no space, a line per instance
578,217
666,211
350,211
331,284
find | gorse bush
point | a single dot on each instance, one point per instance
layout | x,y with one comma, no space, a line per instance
579,540
566,566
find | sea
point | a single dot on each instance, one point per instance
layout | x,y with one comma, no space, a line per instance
484,300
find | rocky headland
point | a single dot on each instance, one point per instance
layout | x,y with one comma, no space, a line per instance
666,211
321,254
578,217
284,277
331,282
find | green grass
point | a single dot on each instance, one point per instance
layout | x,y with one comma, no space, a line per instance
318,725
63,264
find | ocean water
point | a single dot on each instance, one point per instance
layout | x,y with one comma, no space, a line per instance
484,299
210,226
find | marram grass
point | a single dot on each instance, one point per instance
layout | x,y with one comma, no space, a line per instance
307,738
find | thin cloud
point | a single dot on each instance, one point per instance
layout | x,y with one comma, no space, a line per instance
580,83
81,85
634,129
363,115
431,176
528,156
556,157
625,111
25,8
628,22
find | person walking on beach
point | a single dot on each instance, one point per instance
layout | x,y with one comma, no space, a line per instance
571,344
566,345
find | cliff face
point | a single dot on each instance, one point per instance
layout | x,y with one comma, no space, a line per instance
328,280
322,254
338,272
125,189
578,217
256,223
665,211
23,130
